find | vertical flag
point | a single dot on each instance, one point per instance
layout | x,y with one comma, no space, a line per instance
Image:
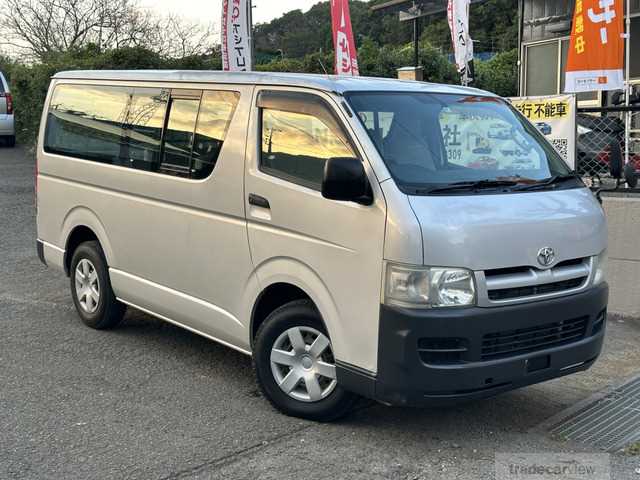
235,36
596,50
458,16
346,62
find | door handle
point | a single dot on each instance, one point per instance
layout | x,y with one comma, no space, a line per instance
258,201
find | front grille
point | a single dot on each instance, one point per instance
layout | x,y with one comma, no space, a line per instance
532,290
497,272
526,340
526,282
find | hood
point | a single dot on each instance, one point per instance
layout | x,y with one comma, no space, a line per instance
483,232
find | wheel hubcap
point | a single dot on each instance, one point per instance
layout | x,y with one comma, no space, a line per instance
302,364
87,286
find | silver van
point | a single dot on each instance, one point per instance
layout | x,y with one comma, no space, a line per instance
413,243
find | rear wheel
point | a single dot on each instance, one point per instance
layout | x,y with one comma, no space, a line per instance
10,141
91,288
295,366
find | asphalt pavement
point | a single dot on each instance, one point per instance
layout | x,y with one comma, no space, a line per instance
152,401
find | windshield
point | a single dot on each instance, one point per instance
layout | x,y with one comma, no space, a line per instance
429,141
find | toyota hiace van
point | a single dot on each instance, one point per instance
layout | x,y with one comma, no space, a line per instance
413,243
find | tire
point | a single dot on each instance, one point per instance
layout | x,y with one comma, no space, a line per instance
329,401
11,141
91,289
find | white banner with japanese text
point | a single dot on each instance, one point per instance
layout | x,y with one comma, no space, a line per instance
458,17
235,38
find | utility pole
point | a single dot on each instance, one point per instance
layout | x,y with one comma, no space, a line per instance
250,31
416,42
627,122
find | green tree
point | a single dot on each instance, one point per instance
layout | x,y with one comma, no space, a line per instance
500,74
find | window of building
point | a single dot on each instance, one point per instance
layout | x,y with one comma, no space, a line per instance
545,68
542,69
125,126
296,146
635,46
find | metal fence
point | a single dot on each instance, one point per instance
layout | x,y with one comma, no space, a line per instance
598,128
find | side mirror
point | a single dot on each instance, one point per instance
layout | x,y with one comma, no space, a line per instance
345,180
615,160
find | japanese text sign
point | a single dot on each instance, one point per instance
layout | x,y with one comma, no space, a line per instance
596,51
235,38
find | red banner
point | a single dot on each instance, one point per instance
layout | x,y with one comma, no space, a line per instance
346,62
596,51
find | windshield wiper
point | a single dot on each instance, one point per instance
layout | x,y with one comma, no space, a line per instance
474,185
554,180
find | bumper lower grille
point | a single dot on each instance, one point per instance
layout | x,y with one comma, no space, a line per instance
533,290
525,340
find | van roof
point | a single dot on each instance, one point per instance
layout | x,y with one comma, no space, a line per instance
328,83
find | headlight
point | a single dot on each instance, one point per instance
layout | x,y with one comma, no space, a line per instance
420,287
600,266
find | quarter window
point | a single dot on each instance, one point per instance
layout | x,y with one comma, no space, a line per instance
216,111
87,121
296,146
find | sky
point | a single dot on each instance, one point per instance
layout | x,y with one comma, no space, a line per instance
207,10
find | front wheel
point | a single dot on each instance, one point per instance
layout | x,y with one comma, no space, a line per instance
295,366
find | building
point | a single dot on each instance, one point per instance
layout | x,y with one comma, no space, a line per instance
544,44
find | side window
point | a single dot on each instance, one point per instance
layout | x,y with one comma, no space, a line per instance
86,121
143,122
216,112
125,126
179,136
295,146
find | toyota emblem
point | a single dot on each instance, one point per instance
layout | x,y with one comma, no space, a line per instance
546,256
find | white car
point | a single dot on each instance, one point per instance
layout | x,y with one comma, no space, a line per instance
7,127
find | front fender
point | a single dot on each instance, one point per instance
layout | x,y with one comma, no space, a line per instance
292,271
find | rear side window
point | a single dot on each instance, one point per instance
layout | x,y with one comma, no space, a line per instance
1,83
179,135
143,118
299,134
156,130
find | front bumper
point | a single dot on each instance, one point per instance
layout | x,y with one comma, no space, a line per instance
444,356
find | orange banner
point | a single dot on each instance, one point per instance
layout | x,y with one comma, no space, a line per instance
596,51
